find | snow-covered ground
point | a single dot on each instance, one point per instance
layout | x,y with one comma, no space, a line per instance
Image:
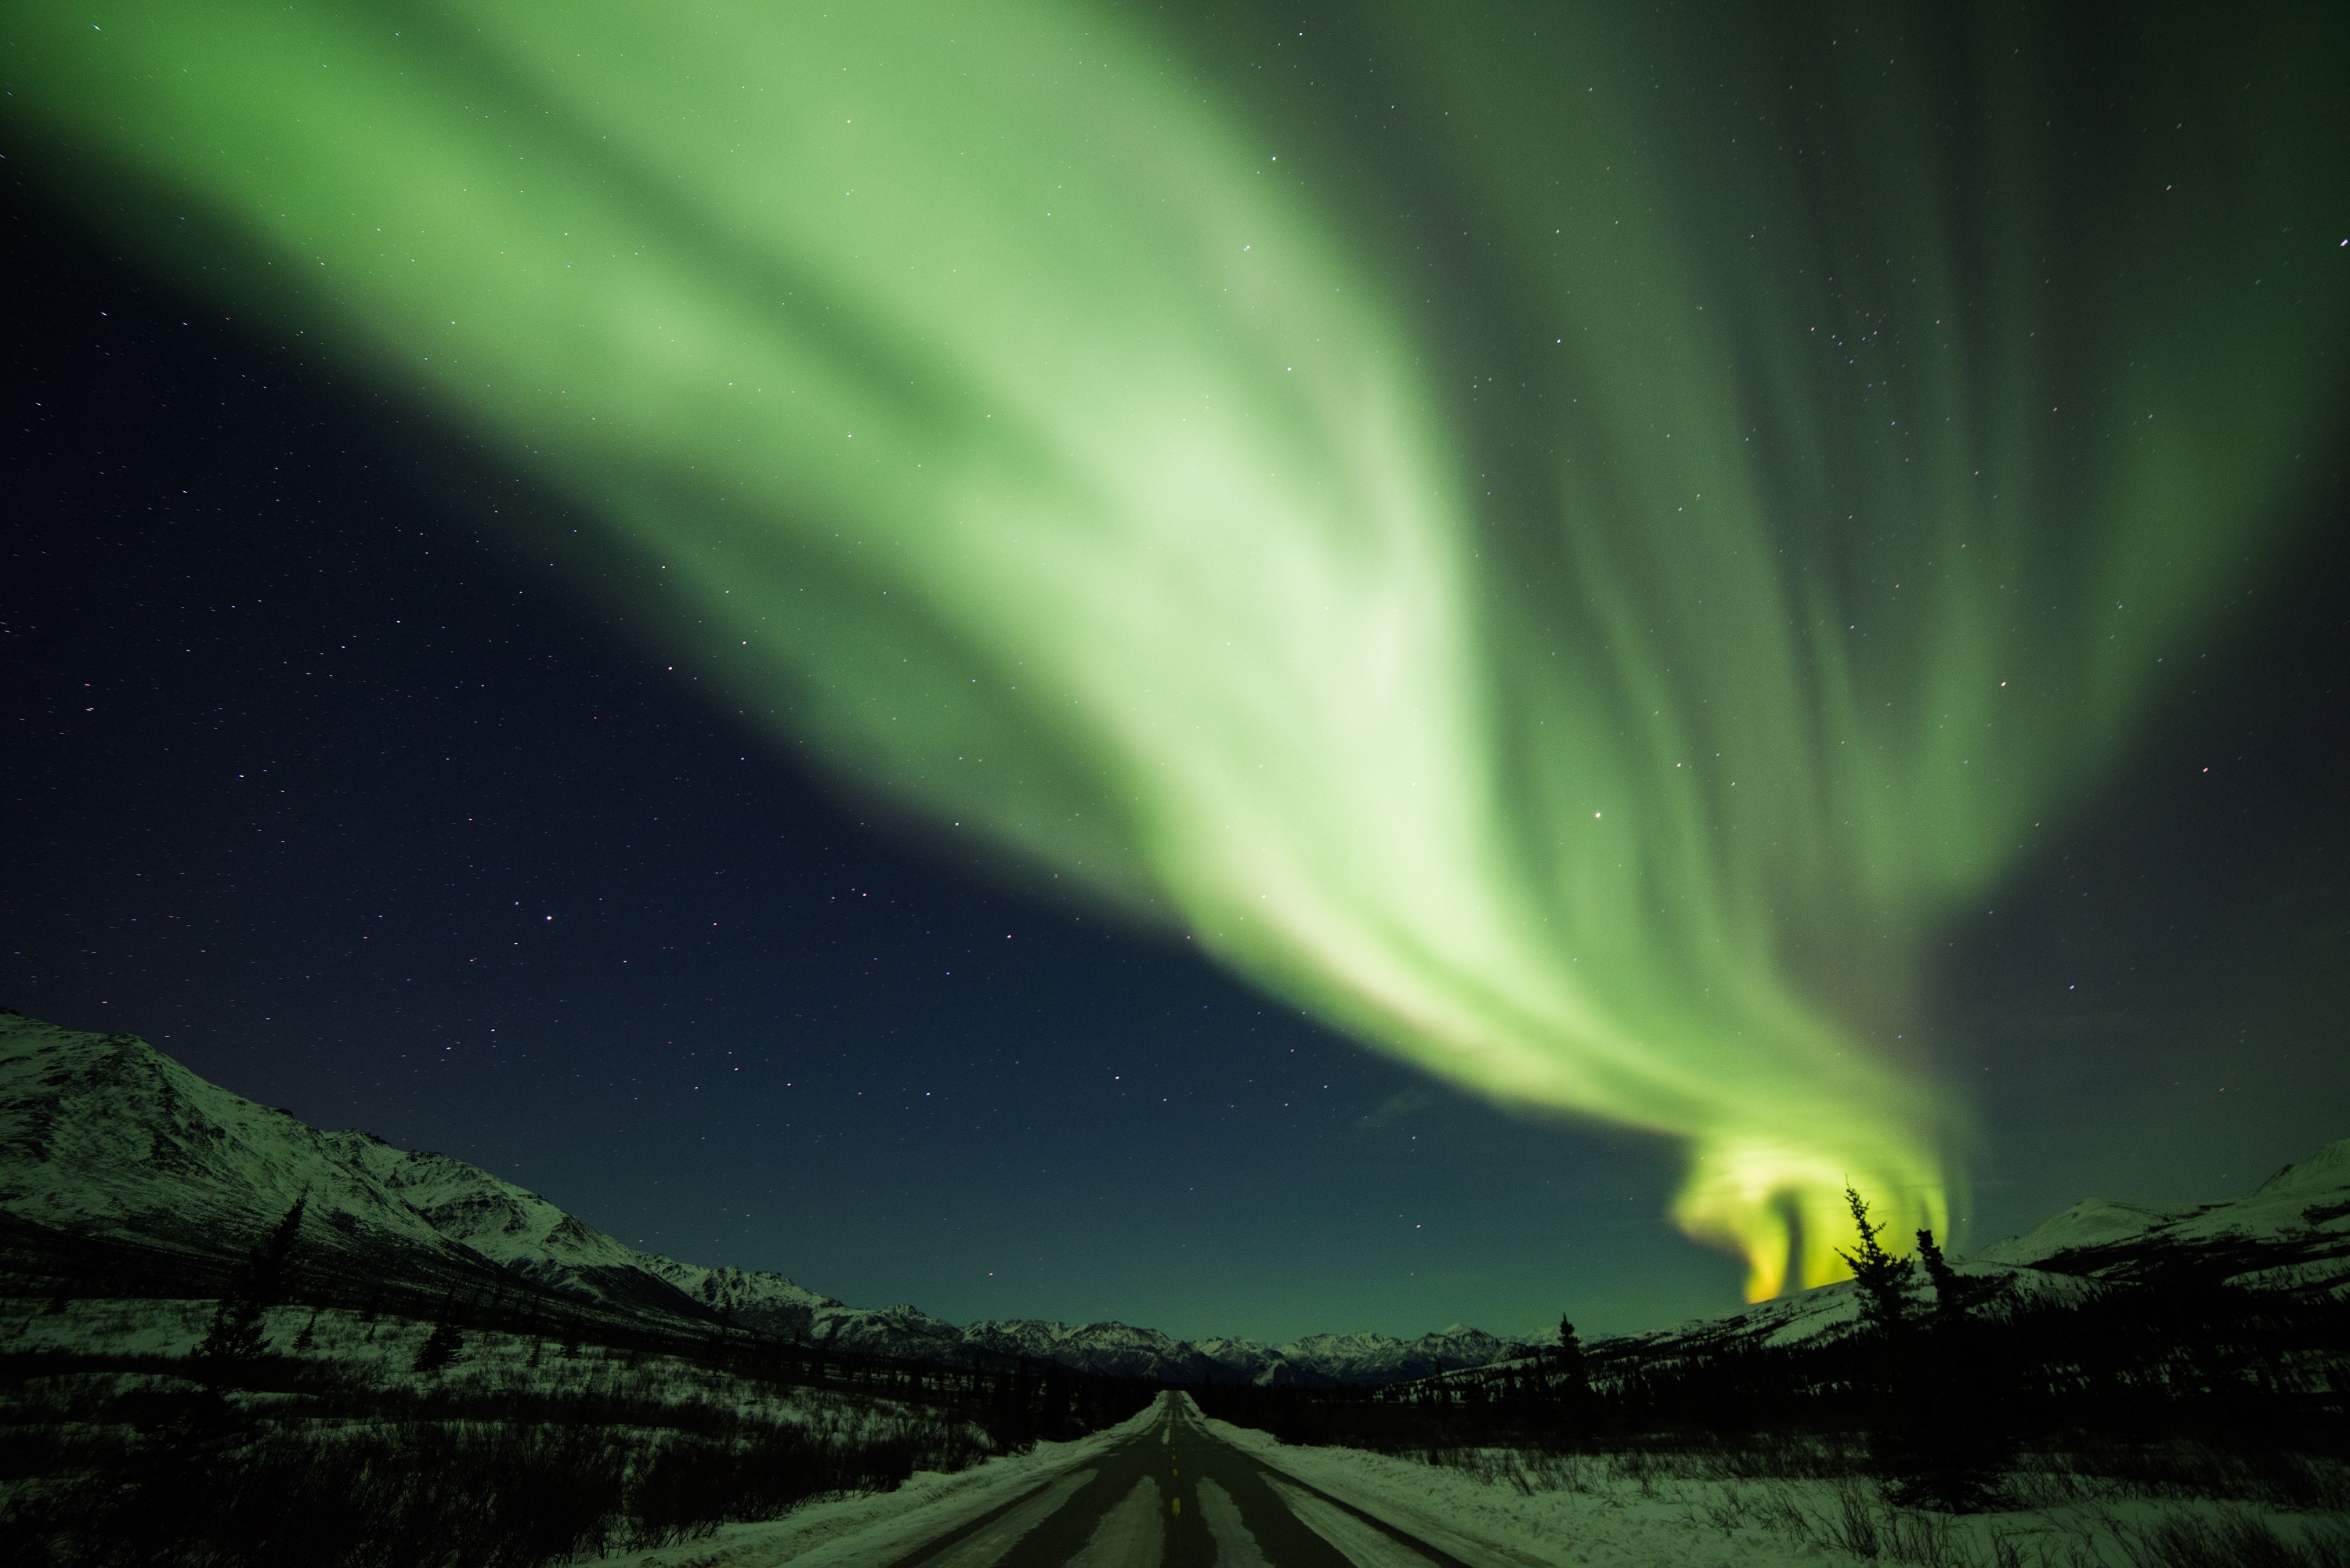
872,1529
382,1354
1611,1511
1503,1509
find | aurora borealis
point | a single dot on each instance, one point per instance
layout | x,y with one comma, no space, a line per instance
1570,547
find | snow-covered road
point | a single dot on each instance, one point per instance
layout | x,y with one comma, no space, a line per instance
1167,1489
1171,1493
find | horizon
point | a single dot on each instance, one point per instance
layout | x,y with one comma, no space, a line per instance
1536,1338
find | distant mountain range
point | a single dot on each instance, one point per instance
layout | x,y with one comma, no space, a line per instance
121,1172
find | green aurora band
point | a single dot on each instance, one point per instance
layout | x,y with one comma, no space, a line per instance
1570,545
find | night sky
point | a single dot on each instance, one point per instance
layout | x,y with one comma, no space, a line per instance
337,767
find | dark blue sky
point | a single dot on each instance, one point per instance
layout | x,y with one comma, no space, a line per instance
357,813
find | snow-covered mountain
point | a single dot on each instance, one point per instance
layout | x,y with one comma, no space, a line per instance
117,1164
1361,1358
2291,1234
2294,1230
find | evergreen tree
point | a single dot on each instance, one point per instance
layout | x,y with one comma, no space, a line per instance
440,1346
1956,1451
1884,1278
1949,1299
1572,1377
236,1331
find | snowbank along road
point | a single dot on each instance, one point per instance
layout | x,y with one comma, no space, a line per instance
1176,1495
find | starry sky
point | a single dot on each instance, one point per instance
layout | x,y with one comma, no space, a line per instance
343,765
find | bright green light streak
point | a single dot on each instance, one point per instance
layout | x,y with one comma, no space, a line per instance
1002,426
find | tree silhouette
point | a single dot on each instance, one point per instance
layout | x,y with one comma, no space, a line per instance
1950,1297
236,1332
440,1346
1955,1453
1883,1278
1572,1377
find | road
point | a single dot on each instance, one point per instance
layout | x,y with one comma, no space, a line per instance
1175,1496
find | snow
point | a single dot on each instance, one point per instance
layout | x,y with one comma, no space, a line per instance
2291,1232
1122,1350
1130,1535
871,1529
1503,1509
1236,1547
986,1546
2323,1175
2092,1222
106,1136
1362,1544
2302,1201
755,1298
381,1352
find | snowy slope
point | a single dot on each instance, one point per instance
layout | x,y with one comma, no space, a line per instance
752,1298
901,1331
2291,1232
106,1140
1118,1350
2092,1222
1122,1350
1363,1357
516,1229
1835,1309
115,1159
1113,1349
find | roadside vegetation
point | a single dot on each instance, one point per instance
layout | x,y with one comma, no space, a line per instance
293,1435
1950,1405
1947,1419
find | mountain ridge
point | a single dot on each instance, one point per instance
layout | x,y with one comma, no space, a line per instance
109,1147
2290,1235
119,1163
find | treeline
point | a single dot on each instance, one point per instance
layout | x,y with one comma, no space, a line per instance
261,1457
498,1425
1015,1401
1936,1389
183,1480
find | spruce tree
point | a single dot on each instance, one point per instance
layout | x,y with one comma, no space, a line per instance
1949,1300
1957,1451
1571,1373
1884,1278
236,1331
440,1346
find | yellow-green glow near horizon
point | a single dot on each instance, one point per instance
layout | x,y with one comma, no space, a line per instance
1011,415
